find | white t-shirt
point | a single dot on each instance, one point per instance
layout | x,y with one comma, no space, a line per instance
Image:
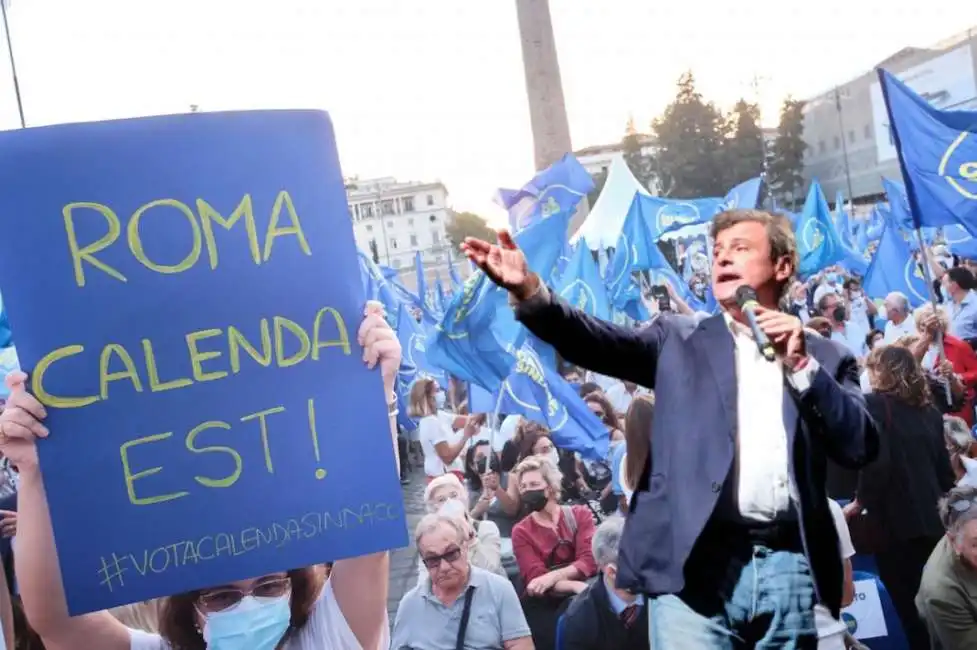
326,629
895,332
436,429
628,490
831,632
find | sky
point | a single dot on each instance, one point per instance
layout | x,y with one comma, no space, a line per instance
434,89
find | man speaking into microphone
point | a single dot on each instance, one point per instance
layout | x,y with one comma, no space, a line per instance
729,530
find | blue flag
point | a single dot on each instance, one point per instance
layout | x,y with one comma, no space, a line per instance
818,244
894,268
478,336
558,188
413,342
938,156
665,215
581,284
746,195
541,394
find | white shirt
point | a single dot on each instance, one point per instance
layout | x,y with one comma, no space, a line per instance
436,429
831,632
326,629
895,332
619,397
764,488
853,338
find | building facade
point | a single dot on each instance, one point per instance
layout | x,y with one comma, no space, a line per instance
394,220
846,129
597,159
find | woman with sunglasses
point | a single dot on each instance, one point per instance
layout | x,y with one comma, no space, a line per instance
297,610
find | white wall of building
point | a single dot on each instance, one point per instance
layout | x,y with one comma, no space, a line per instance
402,219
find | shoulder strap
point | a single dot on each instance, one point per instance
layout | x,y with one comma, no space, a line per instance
570,520
465,614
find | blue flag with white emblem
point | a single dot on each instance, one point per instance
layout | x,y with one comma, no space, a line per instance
665,215
895,268
558,188
581,284
478,336
938,156
539,393
818,244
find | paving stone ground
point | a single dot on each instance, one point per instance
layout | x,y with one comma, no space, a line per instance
403,562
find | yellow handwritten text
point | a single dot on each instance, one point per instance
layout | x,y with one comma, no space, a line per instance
212,354
283,222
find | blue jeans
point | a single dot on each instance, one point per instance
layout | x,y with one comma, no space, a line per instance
764,600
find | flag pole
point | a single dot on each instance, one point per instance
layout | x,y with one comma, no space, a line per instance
13,66
928,272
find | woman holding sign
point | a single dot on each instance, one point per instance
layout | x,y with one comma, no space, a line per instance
296,610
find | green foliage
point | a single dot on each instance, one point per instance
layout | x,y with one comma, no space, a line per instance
785,173
744,144
467,224
690,137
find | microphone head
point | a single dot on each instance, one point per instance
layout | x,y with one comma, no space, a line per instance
745,294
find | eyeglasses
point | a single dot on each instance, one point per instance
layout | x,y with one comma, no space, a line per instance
963,505
223,599
449,556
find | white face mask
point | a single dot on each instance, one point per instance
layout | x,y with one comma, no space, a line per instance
439,399
453,508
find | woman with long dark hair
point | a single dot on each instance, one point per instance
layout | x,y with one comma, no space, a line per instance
637,435
900,490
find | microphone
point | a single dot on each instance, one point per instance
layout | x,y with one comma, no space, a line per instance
747,301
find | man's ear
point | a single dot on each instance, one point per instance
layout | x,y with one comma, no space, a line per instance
783,269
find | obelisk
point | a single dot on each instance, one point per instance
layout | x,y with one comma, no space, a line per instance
544,89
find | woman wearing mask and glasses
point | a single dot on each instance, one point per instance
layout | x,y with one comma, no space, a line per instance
535,442
297,610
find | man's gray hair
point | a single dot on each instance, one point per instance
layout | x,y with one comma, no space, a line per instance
900,300
607,541
430,523
957,434
958,507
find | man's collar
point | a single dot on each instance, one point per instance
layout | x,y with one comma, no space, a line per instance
736,328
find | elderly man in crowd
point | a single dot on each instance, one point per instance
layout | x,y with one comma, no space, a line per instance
899,317
603,617
947,598
457,605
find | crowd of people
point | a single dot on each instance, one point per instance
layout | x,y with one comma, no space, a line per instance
658,545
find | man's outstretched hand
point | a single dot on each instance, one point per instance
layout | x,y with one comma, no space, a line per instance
503,263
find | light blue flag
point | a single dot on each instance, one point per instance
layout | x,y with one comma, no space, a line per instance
480,400
413,341
6,338
938,156
581,284
960,242
665,215
455,278
558,188
842,223
377,287
422,292
818,244
746,195
540,394
478,336
894,268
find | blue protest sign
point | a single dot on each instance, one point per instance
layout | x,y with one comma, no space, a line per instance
186,297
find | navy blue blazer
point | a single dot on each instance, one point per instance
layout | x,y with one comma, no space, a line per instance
690,364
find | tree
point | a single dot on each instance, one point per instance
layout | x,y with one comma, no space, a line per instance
467,224
785,176
744,146
690,136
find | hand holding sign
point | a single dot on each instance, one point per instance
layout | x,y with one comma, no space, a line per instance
380,344
20,424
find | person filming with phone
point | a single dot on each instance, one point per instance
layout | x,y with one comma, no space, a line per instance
729,530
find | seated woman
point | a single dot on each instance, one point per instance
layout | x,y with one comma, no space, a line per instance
487,485
946,600
446,496
294,610
552,547
534,441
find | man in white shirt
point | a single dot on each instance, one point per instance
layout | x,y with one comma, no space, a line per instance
899,317
831,631
850,334
732,500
